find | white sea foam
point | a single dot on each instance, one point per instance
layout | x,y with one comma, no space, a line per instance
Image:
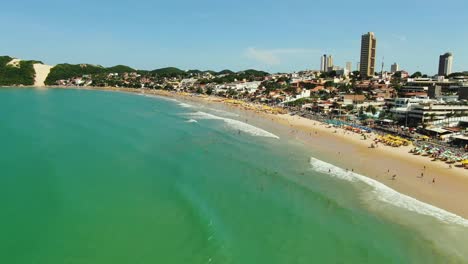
185,105
235,124
192,121
387,194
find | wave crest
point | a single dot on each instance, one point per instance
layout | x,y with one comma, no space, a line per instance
387,194
235,124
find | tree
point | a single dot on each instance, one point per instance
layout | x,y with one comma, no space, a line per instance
329,84
371,109
361,110
209,91
416,75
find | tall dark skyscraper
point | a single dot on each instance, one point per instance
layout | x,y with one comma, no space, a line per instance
445,64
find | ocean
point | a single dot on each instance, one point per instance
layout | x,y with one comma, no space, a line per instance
109,177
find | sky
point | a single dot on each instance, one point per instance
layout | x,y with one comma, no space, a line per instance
273,35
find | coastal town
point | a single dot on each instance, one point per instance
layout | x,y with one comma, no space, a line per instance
414,106
430,111
234,132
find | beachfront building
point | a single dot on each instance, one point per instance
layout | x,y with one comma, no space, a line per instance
434,88
418,110
395,67
304,93
249,87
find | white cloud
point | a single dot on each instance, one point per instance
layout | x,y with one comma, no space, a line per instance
273,56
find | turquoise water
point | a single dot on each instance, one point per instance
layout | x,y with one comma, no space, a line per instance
103,177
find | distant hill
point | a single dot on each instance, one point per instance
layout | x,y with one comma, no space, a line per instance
120,69
255,73
20,73
169,72
226,72
66,71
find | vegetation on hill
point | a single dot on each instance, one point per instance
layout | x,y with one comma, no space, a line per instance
458,74
66,71
169,72
12,75
254,73
226,72
24,74
119,69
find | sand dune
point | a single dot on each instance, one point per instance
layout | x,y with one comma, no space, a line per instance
14,63
42,71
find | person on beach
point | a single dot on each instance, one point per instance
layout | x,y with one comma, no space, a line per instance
393,177
433,180
422,175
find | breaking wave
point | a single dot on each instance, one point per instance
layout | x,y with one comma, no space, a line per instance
185,105
387,194
235,124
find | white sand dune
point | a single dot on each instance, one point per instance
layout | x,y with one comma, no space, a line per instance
42,71
14,63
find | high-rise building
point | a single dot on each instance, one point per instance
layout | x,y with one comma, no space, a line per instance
329,62
395,67
445,64
368,52
349,66
323,63
358,66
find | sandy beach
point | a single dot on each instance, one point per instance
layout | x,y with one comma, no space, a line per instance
449,191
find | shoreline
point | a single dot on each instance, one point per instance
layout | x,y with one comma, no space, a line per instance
350,151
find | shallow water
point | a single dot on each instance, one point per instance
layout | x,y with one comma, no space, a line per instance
105,177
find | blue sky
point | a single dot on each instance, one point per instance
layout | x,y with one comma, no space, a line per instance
207,34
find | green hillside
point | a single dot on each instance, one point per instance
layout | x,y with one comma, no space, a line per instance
66,71
11,75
